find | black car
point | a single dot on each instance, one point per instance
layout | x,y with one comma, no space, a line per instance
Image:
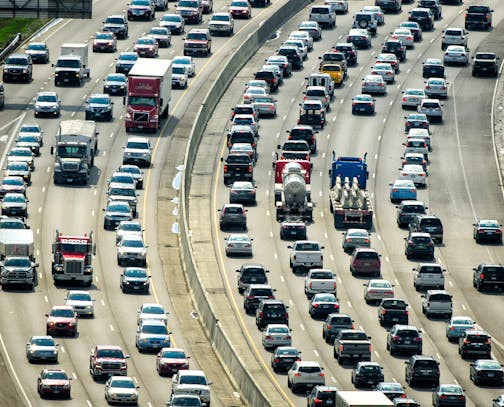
293,56
293,230
99,107
484,64
363,104
251,274
254,294
486,371
115,84
448,395
404,339
393,311
433,68
419,244
349,50
395,47
306,133
125,62
475,343
391,389
322,396
487,230
135,280
243,192
271,312
323,304
422,369
367,374
284,357
422,16
233,215
270,78
334,323
478,16
487,276
433,5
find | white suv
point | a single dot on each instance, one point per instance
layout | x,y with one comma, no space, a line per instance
428,275
138,151
305,374
324,15
454,36
192,382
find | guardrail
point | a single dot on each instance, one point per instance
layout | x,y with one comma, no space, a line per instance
244,379
12,45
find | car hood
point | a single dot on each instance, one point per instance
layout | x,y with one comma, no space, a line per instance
125,62
35,52
143,46
15,66
131,249
159,337
55,382
27,144
122,390
192,387
99,106
49,104
114,213
12,158
169,361
78,303
112,25
136,279
61,319
117,360
115,83
219,22
171,23
137,151
187,9
14,204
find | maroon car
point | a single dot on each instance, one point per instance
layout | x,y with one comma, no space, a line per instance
365,260
12,184
54,382
146,47
61,320
170,360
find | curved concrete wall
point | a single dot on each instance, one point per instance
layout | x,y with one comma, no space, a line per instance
256,392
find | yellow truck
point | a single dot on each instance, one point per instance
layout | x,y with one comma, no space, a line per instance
334,70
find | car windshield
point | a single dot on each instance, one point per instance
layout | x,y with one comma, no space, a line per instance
261,292
125,384
110,353
36,47
239,4
220,18
179,70
14,198
363,98
122,191
130,227
184,3
366,255
128,57
79,297
66,63
115,207
197,36
114,20
153,310
394,304
391,387
440,297
154,329
160,31
146,41
192,379
12,224
239,238
16,61
19,152
309,369
29,129
55,375
47,98
116,78
104,36
43,342
132,243
173,354
139,273
62,313
12,181
414,92
99,100
172,18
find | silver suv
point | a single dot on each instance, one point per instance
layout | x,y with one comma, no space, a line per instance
324,15
428,275
305,374
18,67
454,36
138,151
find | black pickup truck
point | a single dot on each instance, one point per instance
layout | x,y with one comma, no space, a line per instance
393,311
478,16
238,167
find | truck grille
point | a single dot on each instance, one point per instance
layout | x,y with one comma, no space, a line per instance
140,117
70,166
111,366
17,275
74,267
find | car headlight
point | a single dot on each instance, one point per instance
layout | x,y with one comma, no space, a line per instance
89,306
126,282
143,340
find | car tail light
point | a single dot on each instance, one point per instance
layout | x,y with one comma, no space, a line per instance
269,337
277,360
452,328
395,338
408,123
482,276
286,315
315,305
329,326
421,174
250,169
417,339
461,397
427,87
370,348
403,396
334,285
225,168
297,374
498,231
294,257
383,311
317,400
336,306
487,342
409,37
395,190
370,104
403,99
321,374
261,314
287,337
480,231
341,348
443,87
311,285
404,174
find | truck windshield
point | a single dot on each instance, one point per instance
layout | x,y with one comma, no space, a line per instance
68,63
142,101
71,151
74,248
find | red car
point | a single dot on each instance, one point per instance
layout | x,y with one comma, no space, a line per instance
146,47
240,9
54,382
61,320
105,42
170,360
365,260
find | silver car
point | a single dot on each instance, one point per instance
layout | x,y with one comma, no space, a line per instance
303,36
128,228
313,28
265,106
385,71
21,154
424,134
132,249
374,84
238,244
376,290
338,6
47,103
411,98
276,335
42,348
456,54
436,88
174,22
121,390
318,93
454,36
81,301
152,335
353,238
305,374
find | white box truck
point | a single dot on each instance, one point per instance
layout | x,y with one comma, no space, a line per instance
72,65
16,242
362,399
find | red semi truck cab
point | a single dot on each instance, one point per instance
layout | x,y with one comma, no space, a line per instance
149,94
72,258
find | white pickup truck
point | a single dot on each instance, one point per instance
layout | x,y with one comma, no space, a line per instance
319,281
306,255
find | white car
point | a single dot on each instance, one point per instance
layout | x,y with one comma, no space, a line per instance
312,28
121,390
338,6
42,348
415,173
436,88
385,71
305,374
303,36
252,92
433,109
192,382
411,98
128,227
137,151
276,335
180,76
377,11
424,134
47,103
257,83
238,244
456,54
300,44
131,250
186,61
374,84
405,35
246,120
416,145
375,290
221,23
21,154
454,36
152,311
81,301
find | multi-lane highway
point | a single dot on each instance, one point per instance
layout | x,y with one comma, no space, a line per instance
463,186
76,210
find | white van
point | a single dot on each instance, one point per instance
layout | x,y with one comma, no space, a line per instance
321,79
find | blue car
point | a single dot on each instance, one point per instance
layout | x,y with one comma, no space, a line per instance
402,189
457,326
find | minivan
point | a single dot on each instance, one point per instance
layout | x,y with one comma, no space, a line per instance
365,260
430,224
407,210
251,274
428,275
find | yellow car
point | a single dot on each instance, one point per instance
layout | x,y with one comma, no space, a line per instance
335,71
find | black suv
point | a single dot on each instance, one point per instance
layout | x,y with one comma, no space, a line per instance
393,311
117,24
238,167
430,224
422,16
349,50
433,5
485,63
404,338
271,312
233,215
422,369
475,343
306,133
251,274
335,323
270,78
407,210
367,374
240,134
322,396
254,294
395,47
488,275
293,56
18,67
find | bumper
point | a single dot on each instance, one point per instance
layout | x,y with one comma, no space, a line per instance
135,288
62,331
170,369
